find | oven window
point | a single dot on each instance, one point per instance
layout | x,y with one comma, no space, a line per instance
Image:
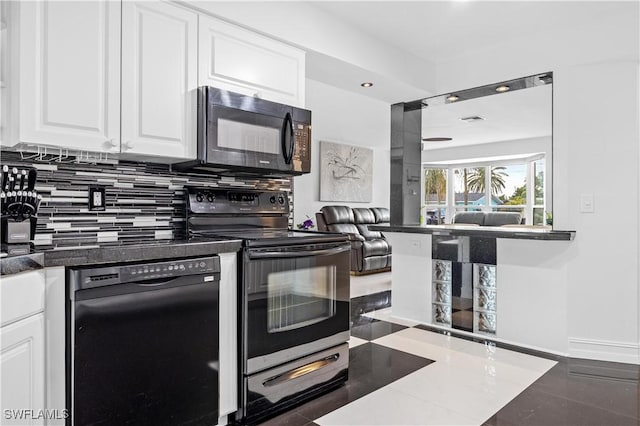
248,137
300,297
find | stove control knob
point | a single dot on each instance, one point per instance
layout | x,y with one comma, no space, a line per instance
272,199
199,197
280,199
211,198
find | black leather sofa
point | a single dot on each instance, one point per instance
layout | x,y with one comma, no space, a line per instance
370,251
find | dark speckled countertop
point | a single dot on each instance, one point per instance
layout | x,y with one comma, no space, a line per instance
128,252
513,232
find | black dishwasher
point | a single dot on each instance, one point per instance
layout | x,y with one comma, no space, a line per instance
143,343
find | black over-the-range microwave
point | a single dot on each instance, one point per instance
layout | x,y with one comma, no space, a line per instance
246,134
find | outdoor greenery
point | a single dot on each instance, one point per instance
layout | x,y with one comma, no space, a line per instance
476,179
435,182
473,181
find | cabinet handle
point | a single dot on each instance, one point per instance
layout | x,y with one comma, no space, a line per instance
108,144
126,146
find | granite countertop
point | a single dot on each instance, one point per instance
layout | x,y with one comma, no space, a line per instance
10,265
110,253
514,232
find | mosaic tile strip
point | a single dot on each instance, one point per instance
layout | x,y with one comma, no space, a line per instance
144,201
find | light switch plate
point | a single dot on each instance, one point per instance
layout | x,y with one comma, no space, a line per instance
97,198
586,203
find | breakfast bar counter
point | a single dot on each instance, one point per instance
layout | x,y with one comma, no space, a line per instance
504,283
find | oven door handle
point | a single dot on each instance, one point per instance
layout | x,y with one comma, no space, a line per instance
281,254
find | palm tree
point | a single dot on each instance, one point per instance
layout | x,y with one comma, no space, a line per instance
435,182
476,179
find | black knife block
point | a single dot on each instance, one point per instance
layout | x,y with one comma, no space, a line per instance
14,232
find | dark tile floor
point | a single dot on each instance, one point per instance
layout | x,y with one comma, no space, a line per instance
573,392
577,392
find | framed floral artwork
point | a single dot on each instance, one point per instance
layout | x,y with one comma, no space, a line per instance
346,173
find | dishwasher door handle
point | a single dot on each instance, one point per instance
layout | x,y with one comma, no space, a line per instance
157,282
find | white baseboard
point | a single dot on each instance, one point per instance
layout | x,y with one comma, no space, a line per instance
604,350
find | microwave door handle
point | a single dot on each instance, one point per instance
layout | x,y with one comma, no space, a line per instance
292,140
287,129
283,254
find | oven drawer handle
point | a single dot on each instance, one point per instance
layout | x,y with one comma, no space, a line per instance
300,371
257,254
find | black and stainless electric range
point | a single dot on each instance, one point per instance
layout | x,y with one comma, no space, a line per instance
294,301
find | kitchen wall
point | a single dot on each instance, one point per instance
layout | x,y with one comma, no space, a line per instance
344,117
596,152
144,201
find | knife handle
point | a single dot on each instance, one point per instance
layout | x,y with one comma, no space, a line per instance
5,178
23,180
33,174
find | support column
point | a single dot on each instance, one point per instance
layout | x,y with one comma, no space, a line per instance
406,168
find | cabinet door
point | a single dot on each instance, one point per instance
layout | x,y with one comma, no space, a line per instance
159,79
22,366
69,74
242,61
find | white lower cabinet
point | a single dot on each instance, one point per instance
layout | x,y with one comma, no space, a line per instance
22,370
159,79
22,356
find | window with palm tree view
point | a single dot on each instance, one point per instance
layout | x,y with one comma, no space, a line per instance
517,187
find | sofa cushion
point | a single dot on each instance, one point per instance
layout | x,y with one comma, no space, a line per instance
363,215
381,213
337,214
375,248
473,218
502,218
363,218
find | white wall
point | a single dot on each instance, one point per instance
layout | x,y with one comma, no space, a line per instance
596,151
344,117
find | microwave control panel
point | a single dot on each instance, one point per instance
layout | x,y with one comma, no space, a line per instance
302,152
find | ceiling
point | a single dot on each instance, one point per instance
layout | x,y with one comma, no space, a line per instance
399,45
507,116
440,30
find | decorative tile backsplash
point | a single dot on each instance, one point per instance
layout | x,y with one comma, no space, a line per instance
144,201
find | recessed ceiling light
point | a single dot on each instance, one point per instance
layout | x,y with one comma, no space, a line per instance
503,88
545,78
452,98
366,84
437,139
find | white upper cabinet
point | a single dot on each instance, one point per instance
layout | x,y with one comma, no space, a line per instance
242,61
69,74
159,79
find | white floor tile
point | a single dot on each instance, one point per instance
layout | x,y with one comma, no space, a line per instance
387,315
368,284
354,341
452,392
421,343
388,406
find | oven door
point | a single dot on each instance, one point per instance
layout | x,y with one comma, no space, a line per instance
245,132
296,302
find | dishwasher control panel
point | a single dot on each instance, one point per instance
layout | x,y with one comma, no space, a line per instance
171,268
84,278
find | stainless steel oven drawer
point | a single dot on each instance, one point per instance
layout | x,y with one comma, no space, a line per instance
293,379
